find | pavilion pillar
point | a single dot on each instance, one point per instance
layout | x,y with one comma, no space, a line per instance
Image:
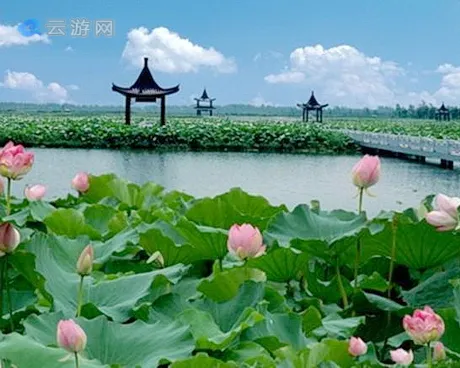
163,111
317,115
210,112
306,115
128,110
321,115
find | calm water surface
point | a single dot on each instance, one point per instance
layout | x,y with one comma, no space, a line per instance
281,178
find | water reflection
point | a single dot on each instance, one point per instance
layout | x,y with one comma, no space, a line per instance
282,178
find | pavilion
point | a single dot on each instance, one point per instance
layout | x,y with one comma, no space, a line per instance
312,105
442,113
204,103
145,89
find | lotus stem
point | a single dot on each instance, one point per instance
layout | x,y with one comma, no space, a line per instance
340,283
357,261
358,243
80,296
393,256
8,197
428,356
2,267
8,294
77,364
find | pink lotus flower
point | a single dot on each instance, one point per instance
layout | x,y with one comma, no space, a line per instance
85,261
15,162
245,241
71,336
401,356
35,192
81,182
9,238
445,216
439,353
424,326
357,347
366,172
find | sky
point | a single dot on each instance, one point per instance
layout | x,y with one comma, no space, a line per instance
356,53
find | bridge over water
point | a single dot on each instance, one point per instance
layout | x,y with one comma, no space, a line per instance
419,148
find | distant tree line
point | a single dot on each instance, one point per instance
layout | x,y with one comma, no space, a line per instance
423,111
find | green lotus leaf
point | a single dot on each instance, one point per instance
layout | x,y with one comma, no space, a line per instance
418,244
224,285
55,260
305,224
23,351
148,343
233,207
281,264
201,360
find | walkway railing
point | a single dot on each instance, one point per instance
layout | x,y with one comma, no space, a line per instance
445,149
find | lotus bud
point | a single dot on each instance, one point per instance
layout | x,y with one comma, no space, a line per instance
15,161
366,172
445,215
439,353
157,259
81,182
424,326
9,238
35,192
357,347
245,241
401,356
85,261
70,336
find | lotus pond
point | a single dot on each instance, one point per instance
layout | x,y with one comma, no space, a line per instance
165,291
117,274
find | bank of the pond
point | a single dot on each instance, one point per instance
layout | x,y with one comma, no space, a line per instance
178,134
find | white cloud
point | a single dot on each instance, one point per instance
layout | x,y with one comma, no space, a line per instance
449,91
267,55
169,52
260,101
343,75
10,36
288,76
69,49
72,87
447,69
23,81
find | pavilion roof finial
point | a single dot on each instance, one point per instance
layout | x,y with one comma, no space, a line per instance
146,62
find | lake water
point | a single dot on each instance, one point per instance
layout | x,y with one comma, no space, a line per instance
281,178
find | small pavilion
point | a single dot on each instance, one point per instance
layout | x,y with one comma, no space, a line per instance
442,113
204,103
145,89
312,105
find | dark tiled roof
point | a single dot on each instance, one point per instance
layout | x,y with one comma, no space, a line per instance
312,103
443,107
145,85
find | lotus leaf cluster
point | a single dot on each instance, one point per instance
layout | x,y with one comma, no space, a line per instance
194,134
163,289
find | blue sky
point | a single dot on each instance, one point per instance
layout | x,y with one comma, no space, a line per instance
355,53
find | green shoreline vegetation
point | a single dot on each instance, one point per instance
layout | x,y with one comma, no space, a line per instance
179,134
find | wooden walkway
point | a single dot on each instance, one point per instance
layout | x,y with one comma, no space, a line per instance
420,148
